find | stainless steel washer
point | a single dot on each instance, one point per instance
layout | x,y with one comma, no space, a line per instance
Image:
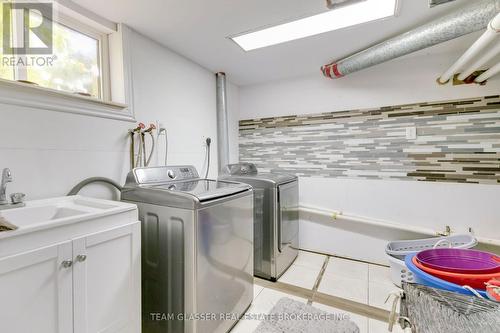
197,249
276,218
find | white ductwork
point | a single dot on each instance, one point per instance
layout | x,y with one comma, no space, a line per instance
222,122
461,22
486,57
489,73
478,47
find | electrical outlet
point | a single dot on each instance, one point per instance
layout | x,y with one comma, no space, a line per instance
411,133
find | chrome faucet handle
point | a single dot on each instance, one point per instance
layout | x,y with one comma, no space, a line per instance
17,198
6,176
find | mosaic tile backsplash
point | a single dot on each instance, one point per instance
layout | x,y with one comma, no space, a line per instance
457,141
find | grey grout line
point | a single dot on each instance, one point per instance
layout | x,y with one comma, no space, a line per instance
320,276
343,304
362,261
346,258
314,296
318,280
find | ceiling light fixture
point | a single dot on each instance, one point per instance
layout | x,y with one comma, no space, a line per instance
360,12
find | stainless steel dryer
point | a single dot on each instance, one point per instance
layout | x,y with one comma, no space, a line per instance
197,249
276,220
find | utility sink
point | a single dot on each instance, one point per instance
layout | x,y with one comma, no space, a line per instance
28,216
52,212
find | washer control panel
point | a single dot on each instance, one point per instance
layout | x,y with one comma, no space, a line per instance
165,174
187,173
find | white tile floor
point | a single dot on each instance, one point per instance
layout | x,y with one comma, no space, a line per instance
311,260
300,276
361,282
357,281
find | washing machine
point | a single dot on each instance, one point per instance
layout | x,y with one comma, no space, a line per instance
276,217
197,249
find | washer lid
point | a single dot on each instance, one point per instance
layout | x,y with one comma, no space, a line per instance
242,171
177,186
202,189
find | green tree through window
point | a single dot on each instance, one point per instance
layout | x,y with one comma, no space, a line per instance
6,72
76,67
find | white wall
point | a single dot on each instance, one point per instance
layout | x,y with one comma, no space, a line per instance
432,206
429,205
181,95
49,152
401,81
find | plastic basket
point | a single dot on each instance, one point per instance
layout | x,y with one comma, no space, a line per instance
397,251
400,249
399,272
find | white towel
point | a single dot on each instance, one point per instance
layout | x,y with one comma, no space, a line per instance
6,225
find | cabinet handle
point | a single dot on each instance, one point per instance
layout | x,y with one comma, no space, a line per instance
67,263
81,258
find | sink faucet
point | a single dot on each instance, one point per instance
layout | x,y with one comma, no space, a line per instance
17,199
6,178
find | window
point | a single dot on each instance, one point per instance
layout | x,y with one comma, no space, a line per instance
76,64
6,72
75,61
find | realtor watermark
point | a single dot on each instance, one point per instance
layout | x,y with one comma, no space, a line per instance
28,38
28,61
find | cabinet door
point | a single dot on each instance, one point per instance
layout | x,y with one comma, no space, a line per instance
106,281
36,293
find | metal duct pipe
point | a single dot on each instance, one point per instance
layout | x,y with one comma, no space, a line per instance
461,22
222,122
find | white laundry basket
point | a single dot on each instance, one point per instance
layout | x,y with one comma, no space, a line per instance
396,252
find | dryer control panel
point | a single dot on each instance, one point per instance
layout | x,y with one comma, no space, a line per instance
165,174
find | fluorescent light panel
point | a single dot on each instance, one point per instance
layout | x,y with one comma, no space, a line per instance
343,17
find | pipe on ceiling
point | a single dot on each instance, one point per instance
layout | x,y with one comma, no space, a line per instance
491,33
222,122
469,19
486,57
488,74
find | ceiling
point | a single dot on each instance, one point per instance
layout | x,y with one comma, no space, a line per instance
198,30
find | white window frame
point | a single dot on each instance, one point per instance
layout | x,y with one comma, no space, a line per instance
116,89
103,50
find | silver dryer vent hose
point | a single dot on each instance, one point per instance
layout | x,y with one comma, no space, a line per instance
461,22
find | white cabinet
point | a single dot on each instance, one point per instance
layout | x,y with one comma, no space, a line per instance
106,280
36,291
88,284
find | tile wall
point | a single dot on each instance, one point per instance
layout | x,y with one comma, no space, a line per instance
457,141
